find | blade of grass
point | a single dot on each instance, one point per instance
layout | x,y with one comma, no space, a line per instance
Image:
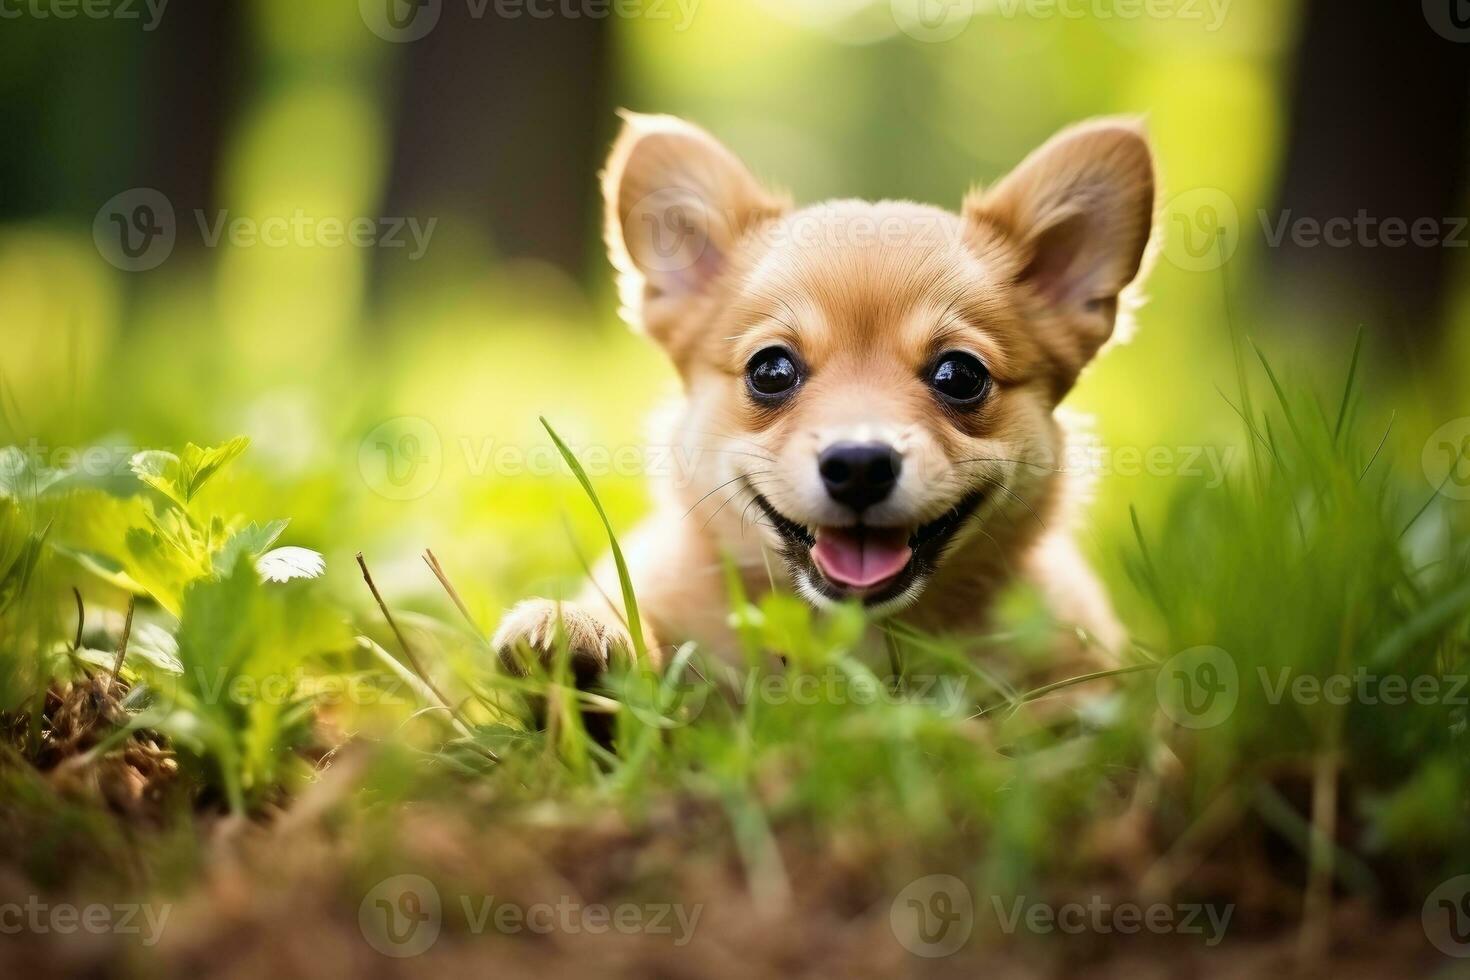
1347,388
630,602
1374,458
1280,395
1052,688
427,681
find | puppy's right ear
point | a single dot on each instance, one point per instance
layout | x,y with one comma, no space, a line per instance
677,204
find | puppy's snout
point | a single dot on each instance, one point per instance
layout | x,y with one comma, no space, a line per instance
859,474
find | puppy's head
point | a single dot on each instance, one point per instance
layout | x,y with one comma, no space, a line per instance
875,382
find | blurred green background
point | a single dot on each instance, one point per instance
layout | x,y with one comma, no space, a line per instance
392,397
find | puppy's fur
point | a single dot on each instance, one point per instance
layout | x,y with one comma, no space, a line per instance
1028,278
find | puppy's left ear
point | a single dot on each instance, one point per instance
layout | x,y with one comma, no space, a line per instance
1072,222
678,205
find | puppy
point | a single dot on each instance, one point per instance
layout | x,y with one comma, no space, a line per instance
868,388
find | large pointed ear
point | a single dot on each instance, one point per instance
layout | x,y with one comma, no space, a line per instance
677,204
1073,223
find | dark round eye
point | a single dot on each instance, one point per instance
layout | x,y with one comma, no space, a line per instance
772,373
960,378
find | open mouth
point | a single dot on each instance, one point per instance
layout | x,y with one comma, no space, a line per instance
867,562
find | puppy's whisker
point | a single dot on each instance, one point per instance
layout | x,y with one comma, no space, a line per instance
1020,500
717,489
738,452
722,435
716,511
758,522
754,499
1000,459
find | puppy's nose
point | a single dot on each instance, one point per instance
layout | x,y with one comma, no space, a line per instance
859,474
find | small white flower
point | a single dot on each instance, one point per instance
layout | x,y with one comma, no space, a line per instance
285,564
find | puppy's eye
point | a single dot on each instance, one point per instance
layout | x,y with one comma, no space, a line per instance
772,373
960,378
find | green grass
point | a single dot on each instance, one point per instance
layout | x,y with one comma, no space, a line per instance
1322,557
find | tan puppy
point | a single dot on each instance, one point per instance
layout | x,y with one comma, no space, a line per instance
869,387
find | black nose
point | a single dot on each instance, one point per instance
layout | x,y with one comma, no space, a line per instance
859,474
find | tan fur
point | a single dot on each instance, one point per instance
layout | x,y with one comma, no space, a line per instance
714,268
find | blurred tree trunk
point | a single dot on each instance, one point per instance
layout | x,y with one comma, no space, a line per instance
504,121
100,107
1378,123
193,82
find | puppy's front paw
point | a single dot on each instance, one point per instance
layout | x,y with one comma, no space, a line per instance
538,625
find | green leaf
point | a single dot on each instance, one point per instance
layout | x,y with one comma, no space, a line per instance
161,470
202,463
22,478
148,642
253,539
180,477
106,568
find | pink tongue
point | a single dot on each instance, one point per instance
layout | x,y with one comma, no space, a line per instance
861,558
